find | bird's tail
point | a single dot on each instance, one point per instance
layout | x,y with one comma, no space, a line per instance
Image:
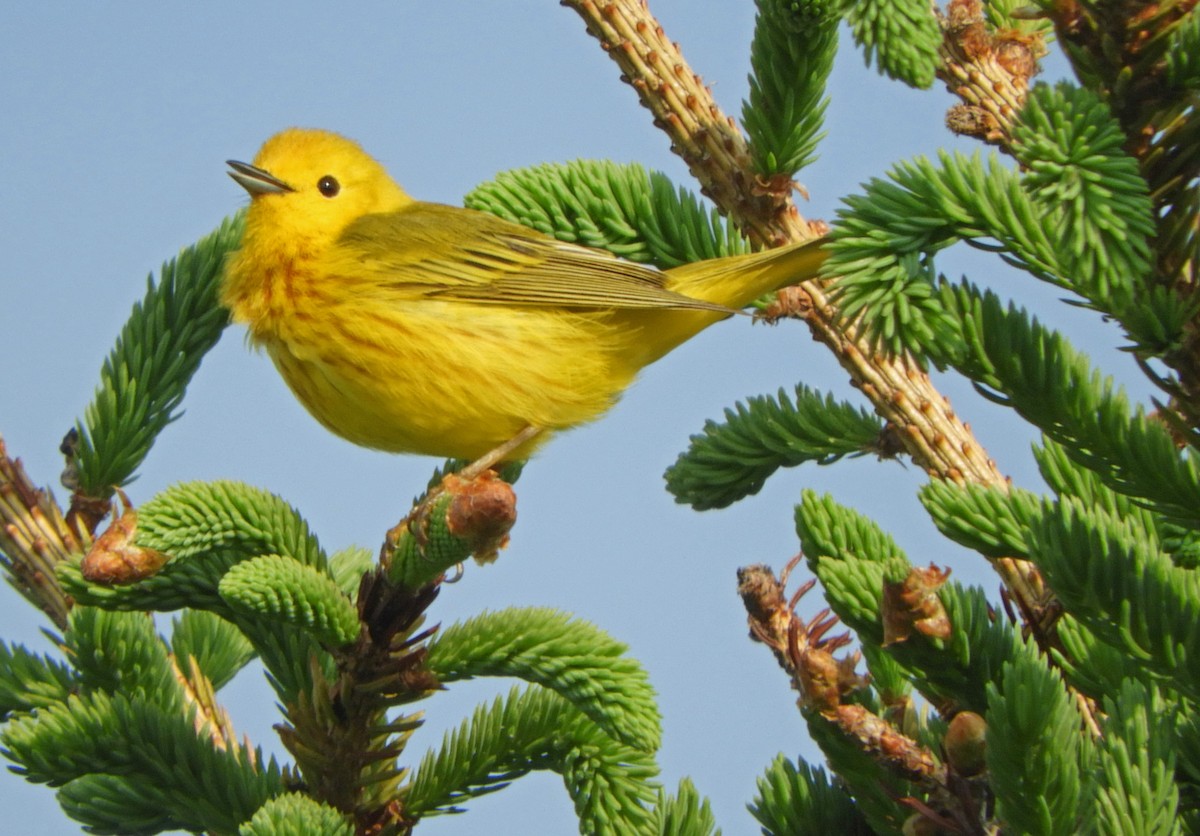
732,283
738,280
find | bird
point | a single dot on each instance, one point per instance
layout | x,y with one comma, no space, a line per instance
417,327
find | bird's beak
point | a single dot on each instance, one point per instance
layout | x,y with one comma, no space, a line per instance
255,180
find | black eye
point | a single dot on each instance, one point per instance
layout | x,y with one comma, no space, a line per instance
329,186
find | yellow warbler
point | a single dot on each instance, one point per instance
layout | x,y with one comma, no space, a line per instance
418,327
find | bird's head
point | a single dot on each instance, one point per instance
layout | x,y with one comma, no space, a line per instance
307,185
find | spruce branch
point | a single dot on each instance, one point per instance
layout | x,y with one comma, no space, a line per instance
205,528
122,653
797,798
1136,790
610,784
200,698
194,518
283,589
571,657
717,155
1036,755
636,214
876,788
990,521
791,57
1181,50
1036,372
1123,588
457,519
348,567
1094,201
847,552
686,813
29,681
1068,478
156,752
345,743
877,761
294,814
1091,666
902,37
854,560
113,804
144,379
216,646
1078,218
732,460
1142,64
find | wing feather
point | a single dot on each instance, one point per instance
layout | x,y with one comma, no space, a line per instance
446,252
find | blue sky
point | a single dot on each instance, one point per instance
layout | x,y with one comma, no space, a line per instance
118,117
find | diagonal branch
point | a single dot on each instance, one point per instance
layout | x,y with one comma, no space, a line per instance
716,153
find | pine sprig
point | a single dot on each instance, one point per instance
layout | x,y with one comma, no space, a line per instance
1067,478
791,57
288,592
686,813
348,567
219,648
29,681
846,550
1090,192
571,657
798,798
1135,765
1036,755
206,528
144,379
980,517
1101,567
122,653
193,518
732,460
1039,374
1079,219
156,752
1092,666
111,804
293,814
902,36
851,556
624,209
611,784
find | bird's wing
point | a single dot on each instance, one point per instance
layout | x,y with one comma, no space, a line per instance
446,252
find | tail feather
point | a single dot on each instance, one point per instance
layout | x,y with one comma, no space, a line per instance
732,282
738,280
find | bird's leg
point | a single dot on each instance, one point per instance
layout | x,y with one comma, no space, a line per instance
414,521
499,453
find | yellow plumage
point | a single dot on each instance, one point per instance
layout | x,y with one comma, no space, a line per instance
417,327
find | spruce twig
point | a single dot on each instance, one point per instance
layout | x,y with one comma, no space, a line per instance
717,155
